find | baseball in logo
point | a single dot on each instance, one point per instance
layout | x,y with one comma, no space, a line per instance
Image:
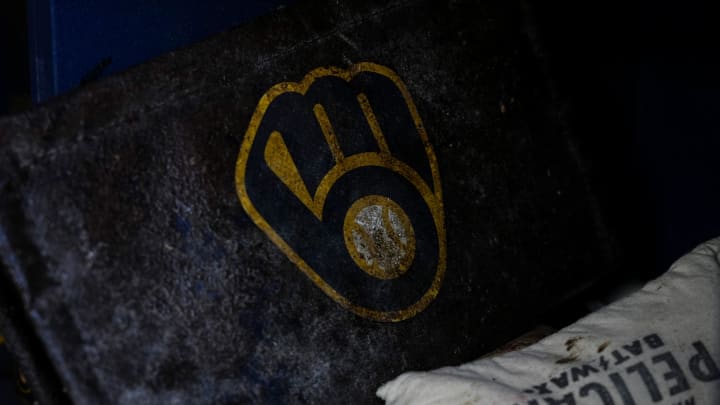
337,170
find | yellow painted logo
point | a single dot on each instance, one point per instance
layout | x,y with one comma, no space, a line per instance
338,171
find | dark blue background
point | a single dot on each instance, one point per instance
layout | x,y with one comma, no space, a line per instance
641,79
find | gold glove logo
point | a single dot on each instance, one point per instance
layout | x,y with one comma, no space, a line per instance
338,171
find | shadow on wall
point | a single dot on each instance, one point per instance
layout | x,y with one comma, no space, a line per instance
643,87
14,68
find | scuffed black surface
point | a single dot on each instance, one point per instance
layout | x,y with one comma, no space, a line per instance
147,283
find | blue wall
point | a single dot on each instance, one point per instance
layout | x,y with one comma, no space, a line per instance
72,41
